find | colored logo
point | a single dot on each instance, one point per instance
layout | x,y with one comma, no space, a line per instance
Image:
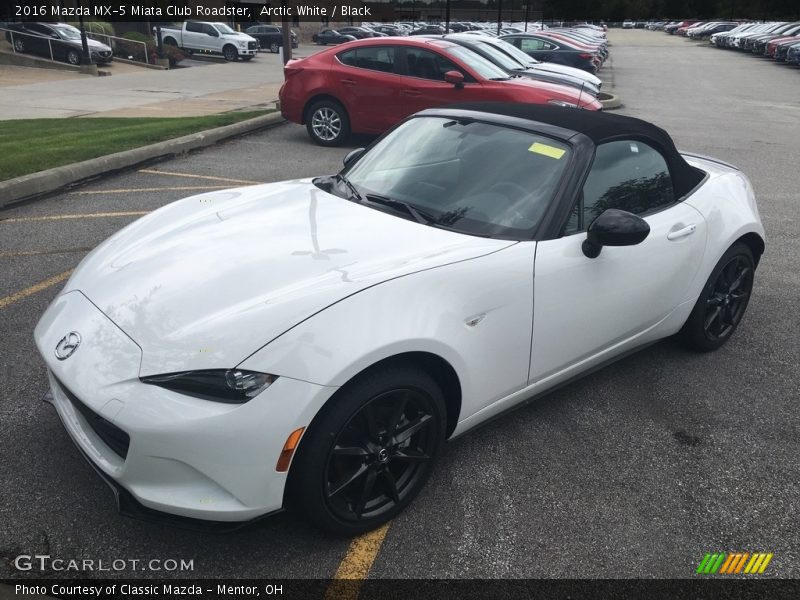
734,563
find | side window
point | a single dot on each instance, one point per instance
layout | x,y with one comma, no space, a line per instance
210,30
548,46
427,65
348,58
628,175
194,27
529,45
374,58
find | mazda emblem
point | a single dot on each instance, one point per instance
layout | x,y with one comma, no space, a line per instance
67,345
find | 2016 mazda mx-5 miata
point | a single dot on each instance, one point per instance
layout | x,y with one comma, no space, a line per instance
310,344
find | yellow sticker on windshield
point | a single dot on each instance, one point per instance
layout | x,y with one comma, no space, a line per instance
546,150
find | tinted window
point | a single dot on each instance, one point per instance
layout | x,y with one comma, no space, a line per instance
209,29
375,58
628,175
427,65
195,27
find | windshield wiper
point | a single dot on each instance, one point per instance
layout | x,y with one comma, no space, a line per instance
354,193
420,216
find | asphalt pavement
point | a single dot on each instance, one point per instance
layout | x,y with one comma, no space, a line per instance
635,471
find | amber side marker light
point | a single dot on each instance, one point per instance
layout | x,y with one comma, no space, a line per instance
288,450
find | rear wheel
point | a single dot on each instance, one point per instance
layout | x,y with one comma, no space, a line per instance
369,452
273,47
327,123
230,53
723,302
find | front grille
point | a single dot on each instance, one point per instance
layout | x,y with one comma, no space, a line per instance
252,45
112,436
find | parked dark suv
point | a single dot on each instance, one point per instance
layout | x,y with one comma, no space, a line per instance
65,41
270,37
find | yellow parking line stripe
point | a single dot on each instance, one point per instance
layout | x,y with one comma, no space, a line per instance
43,252
102,215
34,289
193,176
150,189
355,566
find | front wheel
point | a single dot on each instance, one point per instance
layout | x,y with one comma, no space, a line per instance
273,47
327,123
230,53
73,57
369,452
723,302
19,44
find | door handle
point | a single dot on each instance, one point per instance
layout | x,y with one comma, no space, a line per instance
680,233
348,82
410,93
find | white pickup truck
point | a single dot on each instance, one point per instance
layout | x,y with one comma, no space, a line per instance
216,38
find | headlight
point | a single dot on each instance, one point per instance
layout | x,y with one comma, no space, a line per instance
233,386
562,103
242,44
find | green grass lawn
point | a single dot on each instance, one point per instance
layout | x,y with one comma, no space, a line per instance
30,145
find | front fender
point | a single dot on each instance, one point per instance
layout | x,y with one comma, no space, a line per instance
476,314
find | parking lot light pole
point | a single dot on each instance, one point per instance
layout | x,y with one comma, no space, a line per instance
499,15
287,40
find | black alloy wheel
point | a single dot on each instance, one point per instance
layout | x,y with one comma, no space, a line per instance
369,451
230,53
721,306
380,454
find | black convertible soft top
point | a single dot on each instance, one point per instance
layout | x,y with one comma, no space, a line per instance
600,127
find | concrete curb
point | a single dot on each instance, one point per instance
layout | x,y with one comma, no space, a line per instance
30,186
609,101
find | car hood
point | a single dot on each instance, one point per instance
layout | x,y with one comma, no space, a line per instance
208,280
240,36
565,70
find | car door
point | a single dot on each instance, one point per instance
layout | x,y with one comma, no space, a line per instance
589,309
193,35
422,84
38,42
212,40
368,85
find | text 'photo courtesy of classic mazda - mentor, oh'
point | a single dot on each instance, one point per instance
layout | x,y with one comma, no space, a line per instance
310,344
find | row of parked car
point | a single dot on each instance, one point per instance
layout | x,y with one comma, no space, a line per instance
778,40
368,85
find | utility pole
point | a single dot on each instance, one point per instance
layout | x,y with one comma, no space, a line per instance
287,38
86,59
527,13
499,14
447,17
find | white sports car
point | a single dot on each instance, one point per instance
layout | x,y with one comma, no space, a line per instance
310,344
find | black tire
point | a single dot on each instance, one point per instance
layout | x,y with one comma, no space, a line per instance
230,53
723,302
74,57
273,47
327,123
19,44
369,451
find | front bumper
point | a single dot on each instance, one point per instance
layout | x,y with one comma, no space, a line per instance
189,458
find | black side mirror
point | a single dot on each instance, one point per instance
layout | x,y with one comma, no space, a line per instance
614,227
352,156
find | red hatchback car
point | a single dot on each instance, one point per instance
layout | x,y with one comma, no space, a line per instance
369,85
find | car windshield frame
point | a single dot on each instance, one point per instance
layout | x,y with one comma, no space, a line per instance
465,203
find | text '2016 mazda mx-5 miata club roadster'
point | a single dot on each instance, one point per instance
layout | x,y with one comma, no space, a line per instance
310,344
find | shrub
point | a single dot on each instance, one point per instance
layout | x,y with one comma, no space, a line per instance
101,27
136,51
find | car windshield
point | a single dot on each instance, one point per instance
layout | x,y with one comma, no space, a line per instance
68,33
499,57
464,175
222,28
477,63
